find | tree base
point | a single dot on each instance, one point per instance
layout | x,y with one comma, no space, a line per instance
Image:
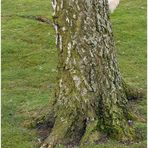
90,136
70,127
76,130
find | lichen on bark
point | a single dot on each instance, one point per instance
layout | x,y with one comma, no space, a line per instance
91,97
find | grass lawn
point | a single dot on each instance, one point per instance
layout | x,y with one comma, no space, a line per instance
29,60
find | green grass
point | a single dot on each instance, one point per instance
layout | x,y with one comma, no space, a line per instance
29,60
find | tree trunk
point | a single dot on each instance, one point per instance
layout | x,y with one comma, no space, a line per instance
90,98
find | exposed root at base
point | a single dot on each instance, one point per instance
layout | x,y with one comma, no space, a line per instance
66,131
64,134
133,93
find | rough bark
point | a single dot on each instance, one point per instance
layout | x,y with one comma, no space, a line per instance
90,98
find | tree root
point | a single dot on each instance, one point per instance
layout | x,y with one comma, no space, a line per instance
65,131
70,127
133,93
41,116
91,135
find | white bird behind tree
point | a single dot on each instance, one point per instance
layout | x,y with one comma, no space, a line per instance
113,4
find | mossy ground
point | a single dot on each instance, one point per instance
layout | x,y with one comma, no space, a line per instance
29,60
